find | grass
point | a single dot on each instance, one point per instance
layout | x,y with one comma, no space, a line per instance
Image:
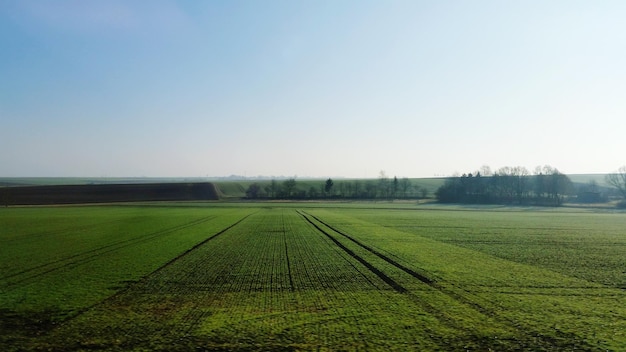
311,276
582,244
556,274
63,260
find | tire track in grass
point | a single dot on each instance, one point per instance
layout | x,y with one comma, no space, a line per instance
434,311
196,246
65,328
147,277
540,339
420,277
89,256
413,273
388,280
85,253
194,316
316,271
423,278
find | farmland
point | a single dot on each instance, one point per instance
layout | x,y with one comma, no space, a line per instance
311,276
107,193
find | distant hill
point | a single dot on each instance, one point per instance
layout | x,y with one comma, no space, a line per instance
76,194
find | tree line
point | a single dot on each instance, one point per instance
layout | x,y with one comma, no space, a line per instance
508,185
381,188
618,181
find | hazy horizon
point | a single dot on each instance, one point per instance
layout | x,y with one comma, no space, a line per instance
310,88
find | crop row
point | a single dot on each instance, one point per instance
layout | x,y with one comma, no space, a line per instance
550,307
53,274
270,277
283,277
455,311
309,278
20,278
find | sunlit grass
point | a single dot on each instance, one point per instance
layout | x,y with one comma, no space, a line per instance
311,276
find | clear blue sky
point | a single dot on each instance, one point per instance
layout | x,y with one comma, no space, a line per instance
310,88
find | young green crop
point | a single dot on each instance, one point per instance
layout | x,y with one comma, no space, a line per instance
311,276
58,261
546,302
582,244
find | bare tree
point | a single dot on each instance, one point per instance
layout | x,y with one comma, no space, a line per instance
485,170
618,180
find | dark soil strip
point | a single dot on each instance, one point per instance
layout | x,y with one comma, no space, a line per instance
108,193
388,280
90,255
409,271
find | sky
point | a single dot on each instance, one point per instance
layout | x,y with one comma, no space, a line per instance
346,88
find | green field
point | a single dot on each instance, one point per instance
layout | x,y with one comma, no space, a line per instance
311,276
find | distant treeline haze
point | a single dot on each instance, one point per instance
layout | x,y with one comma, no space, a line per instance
508,185
381,188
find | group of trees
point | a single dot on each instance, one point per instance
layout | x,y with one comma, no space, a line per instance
381,188
508,185
618,180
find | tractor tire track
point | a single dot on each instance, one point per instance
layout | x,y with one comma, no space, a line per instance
128,290
462,297
88,256
430,282
427,307
388,280
195,316
196,246
420,277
